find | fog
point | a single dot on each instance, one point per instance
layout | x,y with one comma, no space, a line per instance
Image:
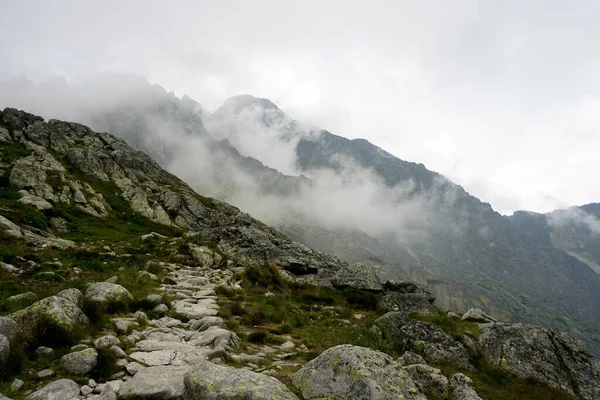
174,132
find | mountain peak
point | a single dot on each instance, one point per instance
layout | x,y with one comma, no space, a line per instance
235,104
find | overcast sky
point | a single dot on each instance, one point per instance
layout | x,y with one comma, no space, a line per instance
503,97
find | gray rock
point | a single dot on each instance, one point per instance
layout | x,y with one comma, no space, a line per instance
86,390
410,358
154,299
407,303
79,347
548,355
216,337
432,343
59,311
44,351
80,362
45,373
160,383
3,397
4,350
407,287
133,367
357,276
205,323
430,381
108,393
461,388
352,372
10,329
214,382
17,385
477,315
106,341
61,389
161,308
106,292
73,295
27,297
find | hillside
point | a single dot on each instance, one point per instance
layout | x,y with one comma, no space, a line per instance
119,281
353,200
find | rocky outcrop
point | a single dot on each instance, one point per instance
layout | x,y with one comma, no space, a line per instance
214,382
435,345
408,287
553,357
461,388
430,381
352,372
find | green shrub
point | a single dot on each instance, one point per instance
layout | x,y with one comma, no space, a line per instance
258,337
361,298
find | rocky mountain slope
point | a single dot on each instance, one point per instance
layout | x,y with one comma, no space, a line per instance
118,281
527,267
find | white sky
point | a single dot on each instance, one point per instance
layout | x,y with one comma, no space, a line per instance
503,97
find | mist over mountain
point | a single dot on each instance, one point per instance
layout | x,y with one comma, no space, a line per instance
350,198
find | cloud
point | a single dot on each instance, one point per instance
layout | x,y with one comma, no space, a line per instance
501,97
574,218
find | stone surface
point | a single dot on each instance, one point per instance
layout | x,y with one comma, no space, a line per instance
476,315
461,388
106,341
410,358
407,303
80,362
61,389
10,329
430,381
406,334
106,292
406,287
4,350
27,297
553,357
357,276
155,383
73,295
214,382
352,372
61,312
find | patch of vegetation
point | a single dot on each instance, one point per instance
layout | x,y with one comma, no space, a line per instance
455,327
12,151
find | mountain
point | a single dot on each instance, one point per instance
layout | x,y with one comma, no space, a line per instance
354,200
119,281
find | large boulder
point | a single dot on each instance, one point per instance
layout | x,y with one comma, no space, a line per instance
214,382
62,389
54,310
548,355
435,345
407,303
106,293
353,372
157,383
73,295
4,351
357,276
215,337
80,362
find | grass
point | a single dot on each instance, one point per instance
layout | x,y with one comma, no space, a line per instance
453,326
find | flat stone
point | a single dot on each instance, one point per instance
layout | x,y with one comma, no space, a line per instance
160,383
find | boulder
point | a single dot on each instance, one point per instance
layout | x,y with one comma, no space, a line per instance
406,334
430,381
407,287
27,297
160,383
107,341
62,313
10,329
4,351
214,382
548,355
73,295
107,293
461,388
80,362
61,389
205,323
353,372
476,315
357,276
216,337
407,303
